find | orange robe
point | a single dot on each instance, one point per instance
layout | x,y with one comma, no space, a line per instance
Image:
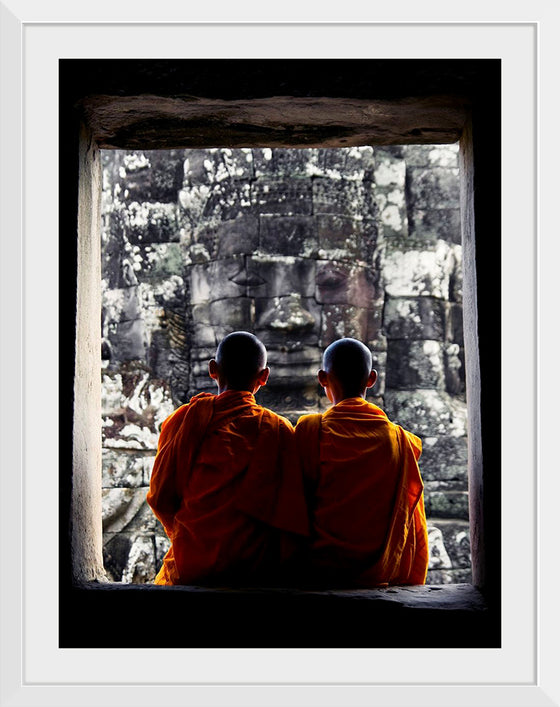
227,487
365,495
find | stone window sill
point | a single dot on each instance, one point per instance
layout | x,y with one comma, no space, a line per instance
191,616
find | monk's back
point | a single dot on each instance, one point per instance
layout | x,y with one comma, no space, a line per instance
359,461
225,482
364,493
215,532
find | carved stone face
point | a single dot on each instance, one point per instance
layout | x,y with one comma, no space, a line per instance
288,291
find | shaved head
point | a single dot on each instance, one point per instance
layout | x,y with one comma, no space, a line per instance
240,357
350,362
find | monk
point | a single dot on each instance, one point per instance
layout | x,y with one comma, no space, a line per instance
226,482
365,492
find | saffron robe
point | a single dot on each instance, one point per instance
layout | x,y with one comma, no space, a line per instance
365,494
227,487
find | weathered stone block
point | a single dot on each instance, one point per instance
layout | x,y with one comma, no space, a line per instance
217,280
156,175
140,567
390,167
129,557
455,323
285,197
456,277
232,315
279,276
157,262
341,320
121,305
203,334
292,368
341,283
274,163
456,539
151,222
112,248
454,369
216,165
120,506
419,273
431,155
288,235
444,458
212,322
293,402
237,236
379,363
125,470
415,364
287,321
343,197
356,163
434,188
228,200
439,557
375,339
198,168
415,318
346,237
134,405
446,504
162,545
393,221
427,413
434,224
460,576
128,340
166,294
193,202
116,551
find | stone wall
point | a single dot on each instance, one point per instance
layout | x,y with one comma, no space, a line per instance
301,246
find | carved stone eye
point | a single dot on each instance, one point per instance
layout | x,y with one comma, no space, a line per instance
246,278
331,278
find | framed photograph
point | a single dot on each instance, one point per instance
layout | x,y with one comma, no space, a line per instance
35,670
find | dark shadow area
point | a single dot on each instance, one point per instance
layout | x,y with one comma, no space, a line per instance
195,617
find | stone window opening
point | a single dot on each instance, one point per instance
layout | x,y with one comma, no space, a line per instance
414,102
300,246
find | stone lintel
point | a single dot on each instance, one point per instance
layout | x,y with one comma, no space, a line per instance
164,122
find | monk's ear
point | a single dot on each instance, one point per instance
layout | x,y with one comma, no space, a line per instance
323,378
263,376
371,378
213,369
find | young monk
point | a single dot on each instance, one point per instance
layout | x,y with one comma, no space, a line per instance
226,482
364,487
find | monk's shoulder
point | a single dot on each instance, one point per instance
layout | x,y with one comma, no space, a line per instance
177,415
307,424
414,441
284,424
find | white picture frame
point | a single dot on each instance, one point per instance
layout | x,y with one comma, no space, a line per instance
34,670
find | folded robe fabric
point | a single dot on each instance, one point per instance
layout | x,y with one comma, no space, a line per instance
365,495
225,481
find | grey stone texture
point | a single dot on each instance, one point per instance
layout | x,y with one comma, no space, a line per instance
300,246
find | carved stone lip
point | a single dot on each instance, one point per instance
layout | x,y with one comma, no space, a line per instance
246,278
296,354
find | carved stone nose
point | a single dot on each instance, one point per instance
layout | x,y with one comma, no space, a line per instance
287,314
